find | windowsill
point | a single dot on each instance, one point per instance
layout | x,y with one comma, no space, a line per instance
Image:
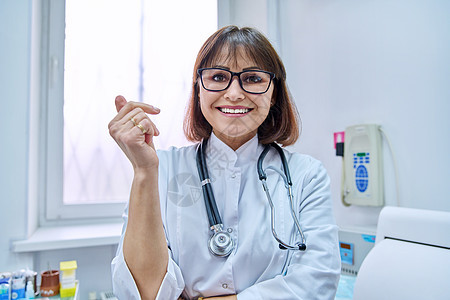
67,237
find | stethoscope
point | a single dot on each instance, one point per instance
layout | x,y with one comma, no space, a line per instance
221,243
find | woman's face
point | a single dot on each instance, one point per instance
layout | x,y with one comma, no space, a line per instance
234,114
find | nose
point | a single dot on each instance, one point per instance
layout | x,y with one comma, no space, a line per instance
234,91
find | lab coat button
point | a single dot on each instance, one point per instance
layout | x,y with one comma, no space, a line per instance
233,175
230,230
225,286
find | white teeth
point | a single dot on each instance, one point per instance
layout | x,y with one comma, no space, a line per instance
234,111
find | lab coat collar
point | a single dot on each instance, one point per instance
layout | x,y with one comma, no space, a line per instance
222,153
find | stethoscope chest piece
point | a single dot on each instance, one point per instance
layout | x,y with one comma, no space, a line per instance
221,243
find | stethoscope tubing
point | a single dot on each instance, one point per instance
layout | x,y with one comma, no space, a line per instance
263,177
211,206
214,218
211,218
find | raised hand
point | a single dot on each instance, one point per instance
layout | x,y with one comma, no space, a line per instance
133,131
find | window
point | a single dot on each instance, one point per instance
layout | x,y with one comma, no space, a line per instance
144,50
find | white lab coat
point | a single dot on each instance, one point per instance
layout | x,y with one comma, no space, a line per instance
257,268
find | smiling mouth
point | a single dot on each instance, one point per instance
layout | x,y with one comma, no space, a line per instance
236,111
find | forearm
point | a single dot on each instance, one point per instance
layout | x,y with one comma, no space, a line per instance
145,247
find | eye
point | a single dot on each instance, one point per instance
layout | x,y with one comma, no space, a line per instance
220,77
252,78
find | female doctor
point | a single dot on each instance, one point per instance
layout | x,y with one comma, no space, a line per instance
171,246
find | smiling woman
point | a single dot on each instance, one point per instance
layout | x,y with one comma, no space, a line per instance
233,244
224,51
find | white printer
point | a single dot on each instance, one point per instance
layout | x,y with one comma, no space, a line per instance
411,257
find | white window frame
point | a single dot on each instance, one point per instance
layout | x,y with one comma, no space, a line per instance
51,132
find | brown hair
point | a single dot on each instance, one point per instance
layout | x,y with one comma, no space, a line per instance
282,122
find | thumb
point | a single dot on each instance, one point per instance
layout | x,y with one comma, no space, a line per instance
120,102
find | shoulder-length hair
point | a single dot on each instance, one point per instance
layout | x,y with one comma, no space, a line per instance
282,122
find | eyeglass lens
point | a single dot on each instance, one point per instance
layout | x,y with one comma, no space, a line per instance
251,81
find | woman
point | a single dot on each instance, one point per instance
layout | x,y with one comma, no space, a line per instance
239,103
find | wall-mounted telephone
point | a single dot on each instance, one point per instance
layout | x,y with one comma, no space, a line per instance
363,166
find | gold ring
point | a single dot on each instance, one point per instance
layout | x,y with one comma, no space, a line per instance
144,131
133,121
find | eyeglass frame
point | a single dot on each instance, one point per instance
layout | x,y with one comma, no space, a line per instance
238,74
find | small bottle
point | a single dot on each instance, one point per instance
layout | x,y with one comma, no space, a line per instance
18,285
29,292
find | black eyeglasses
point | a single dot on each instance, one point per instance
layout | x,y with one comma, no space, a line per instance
251,81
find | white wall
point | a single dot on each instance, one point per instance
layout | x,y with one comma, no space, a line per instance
384,62
365,61
14,93
262,14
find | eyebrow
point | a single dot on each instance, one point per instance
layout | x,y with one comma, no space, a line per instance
244,69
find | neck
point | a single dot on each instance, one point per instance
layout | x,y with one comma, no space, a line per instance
234,142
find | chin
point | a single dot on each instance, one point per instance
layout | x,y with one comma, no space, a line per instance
235,131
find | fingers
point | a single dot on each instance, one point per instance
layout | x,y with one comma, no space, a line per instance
137,110
145,128
136,117
120,102
123,107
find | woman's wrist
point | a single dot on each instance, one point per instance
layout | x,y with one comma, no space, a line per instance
144,189
145,173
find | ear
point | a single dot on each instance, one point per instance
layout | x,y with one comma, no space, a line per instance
272,101
197,88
